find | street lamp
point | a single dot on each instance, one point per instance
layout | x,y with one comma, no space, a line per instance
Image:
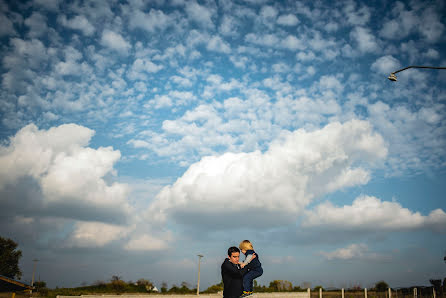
198,282
34,270
392,76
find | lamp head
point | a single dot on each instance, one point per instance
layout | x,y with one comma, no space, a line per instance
392,77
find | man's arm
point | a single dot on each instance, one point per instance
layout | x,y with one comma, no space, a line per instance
232,270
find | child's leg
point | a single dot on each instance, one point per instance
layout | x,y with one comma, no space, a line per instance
249,277
247,282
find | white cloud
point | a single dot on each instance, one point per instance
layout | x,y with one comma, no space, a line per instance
278,183
354,15
306,56
292,43
184,82
386,65
287,20
68,68
423,20
371,214
410,133
264,40
217,44
95,234
431,27
152,21
26,54
36,24
173,98
199,14
115,42
148,243
432,54
67,172
330,82
365,40
351,252
268,15
228,26
141,67
79,22
52,5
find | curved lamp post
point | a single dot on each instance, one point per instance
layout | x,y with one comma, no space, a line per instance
392,76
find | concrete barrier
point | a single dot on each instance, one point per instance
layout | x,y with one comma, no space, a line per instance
259,295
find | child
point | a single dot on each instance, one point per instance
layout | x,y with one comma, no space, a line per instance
254,267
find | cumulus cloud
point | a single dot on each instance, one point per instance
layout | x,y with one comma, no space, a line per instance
431,27
95,234
290,42
115,41
154,20
355,15
264,40
268,15
199,14
217,44
369,213
422,20
67,176
36,24
148,242
79,22
365,40
352,252
287,20
386,65
277,184
173,98
52,5
141,67
293,43
228,26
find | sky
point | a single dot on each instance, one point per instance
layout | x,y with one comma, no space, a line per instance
135,135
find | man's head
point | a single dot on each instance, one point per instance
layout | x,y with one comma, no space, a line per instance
233,254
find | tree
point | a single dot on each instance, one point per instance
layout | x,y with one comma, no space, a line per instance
117,283
215,288
281,285
9,258
145,283
436,283
163,287
41,288
381,286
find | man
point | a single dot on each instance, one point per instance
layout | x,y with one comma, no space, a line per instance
232,274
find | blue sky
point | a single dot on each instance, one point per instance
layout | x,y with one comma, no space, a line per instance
138,134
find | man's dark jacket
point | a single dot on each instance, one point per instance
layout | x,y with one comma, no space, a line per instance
232,279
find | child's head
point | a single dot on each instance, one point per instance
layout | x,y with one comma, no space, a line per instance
245,245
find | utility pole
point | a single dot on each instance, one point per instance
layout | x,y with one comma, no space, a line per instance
198,283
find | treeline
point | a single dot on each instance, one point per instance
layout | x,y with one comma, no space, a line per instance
117,286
